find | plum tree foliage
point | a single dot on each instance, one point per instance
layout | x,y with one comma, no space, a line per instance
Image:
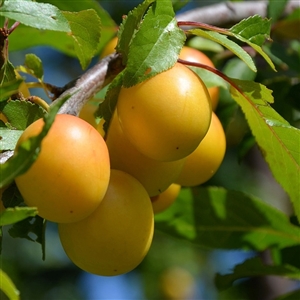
146,127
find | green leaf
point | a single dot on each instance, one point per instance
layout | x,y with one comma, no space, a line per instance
82,38
128,27
28,150
86,30
21,113
107,107
255,267
34,65
216,218
8,287
108,25
9,88
9,138
278,141
32,225
178,220
230,45
259,50
7,73
156,46
38,15
254,29
25,37
16,214
11,197
29,225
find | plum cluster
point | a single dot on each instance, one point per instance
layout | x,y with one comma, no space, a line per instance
103,189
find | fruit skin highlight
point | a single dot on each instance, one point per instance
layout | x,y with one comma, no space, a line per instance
154,175
166,116
194,55
202,164
70,176
116,237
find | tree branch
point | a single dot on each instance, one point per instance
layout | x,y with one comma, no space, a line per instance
231,12
91,82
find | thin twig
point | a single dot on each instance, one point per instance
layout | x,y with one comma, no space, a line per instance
89,84
13,27
203,26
